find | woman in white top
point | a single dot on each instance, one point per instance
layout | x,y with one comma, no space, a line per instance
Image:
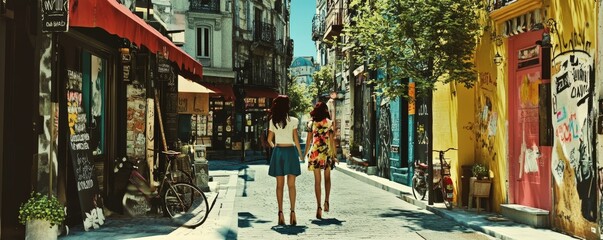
282,136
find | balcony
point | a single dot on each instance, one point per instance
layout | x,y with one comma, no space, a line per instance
334,23
502,10
263,78
318,27
264,34
213,6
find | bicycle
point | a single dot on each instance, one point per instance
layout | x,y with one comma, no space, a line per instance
182,201
443,182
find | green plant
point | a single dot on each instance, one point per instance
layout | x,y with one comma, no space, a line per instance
40,206
480,170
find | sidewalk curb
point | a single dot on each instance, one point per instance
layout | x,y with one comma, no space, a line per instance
406,195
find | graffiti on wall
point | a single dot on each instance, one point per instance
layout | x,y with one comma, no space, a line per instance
135,136
367,142
573,164
48,140
384,137
484,129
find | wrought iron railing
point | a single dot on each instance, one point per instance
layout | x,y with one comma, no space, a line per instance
264,33
212,6
497,4
318,27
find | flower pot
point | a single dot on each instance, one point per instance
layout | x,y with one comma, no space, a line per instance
40,230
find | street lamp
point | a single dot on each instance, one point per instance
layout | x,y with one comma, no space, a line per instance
498,59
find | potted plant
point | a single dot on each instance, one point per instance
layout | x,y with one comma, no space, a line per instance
480,171
41,215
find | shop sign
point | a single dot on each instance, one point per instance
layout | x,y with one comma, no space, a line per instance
193,103
91,203
251,102
55,15
262,102
164,69
126,60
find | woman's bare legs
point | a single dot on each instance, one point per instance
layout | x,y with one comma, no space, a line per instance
292,193
327,187
280,185
317,192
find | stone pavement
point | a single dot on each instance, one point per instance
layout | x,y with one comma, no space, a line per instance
362,207
357,211
504,229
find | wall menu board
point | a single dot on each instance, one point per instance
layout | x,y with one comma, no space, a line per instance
79,145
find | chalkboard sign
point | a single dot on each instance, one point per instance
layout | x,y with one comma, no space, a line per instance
55,15
79,145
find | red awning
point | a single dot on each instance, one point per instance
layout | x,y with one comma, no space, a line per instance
260,92
224,90
117,19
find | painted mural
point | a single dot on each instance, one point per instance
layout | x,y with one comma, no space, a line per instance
384,128
598,94
573,166
48,139
367,142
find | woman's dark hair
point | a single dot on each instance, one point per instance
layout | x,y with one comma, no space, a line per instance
320,112
280,111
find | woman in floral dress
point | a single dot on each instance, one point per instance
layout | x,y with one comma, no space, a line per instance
320,149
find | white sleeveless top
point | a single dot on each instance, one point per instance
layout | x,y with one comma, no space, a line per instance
284,135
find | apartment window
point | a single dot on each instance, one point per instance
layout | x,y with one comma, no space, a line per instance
203,42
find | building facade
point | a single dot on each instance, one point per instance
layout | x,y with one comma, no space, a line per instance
93,90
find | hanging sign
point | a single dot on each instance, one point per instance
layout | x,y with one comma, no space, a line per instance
91,203
55,15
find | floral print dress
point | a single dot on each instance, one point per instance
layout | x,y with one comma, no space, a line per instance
318,154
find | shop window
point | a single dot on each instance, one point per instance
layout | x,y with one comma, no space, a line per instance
94,72
203,45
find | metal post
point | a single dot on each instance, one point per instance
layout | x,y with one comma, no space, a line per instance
429,154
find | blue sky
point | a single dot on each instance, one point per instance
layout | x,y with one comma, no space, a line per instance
302,12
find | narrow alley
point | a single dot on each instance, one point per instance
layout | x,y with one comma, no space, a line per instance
357,211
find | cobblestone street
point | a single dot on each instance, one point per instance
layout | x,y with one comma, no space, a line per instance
357,211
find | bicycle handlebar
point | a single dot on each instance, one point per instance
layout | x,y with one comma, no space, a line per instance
445,150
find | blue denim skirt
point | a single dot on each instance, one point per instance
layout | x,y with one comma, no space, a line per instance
284,161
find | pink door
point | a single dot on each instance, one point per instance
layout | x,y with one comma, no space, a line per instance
529,160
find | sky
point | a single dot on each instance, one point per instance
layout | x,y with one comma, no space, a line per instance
302,12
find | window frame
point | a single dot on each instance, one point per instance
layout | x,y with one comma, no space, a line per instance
206,39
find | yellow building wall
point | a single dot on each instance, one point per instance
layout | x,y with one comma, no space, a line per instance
452,106
488,126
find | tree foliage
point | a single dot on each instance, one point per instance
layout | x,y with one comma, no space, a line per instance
299,97
323,80
425,40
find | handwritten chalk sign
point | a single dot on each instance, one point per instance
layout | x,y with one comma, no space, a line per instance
55,15
79,146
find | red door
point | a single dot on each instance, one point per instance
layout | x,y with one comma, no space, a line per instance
529,161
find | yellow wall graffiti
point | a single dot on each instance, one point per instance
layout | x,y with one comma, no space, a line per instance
573,39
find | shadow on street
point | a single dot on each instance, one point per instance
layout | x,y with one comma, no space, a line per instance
327,221
426,221
246,219
289,230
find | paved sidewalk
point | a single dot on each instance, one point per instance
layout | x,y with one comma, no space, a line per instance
506,230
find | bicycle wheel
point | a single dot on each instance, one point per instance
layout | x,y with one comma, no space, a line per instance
185,204
418,189
446,202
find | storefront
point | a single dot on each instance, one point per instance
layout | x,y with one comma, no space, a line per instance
257,104
107,88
